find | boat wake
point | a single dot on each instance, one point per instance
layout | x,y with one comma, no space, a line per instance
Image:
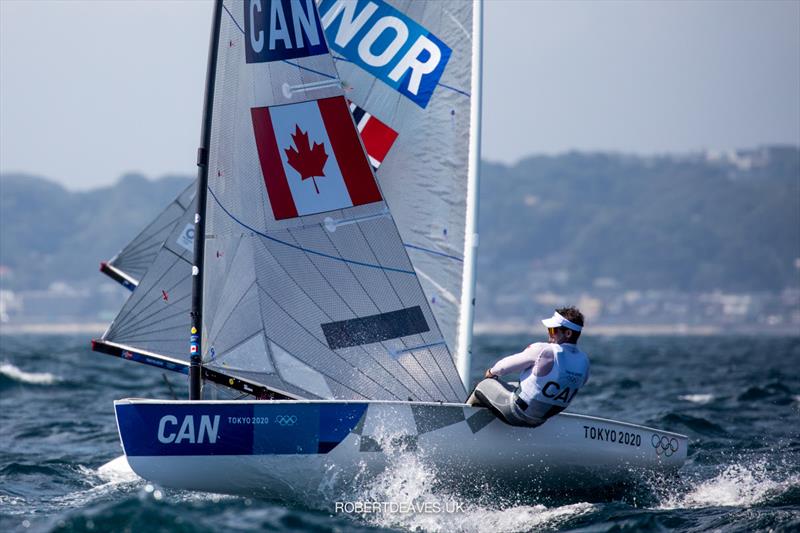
13,373
117,471
106,481
408,495
736,485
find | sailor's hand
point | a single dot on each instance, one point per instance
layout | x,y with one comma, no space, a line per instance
489,374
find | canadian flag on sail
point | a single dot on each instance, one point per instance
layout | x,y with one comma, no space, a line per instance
311,158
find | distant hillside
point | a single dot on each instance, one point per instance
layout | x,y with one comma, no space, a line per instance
695,223
48,233
565,223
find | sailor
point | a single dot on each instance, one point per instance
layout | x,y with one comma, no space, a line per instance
551,373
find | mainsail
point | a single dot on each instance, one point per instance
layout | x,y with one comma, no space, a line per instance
429,174
427,190
155,318
307,284
129,266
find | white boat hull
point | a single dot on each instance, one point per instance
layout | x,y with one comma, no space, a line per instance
291,449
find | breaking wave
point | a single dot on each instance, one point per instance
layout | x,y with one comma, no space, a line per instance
410,497
736,485
13,373
697,398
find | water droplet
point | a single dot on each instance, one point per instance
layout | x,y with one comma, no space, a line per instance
148,488
26,524
157,494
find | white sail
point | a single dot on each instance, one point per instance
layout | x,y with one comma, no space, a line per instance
307,288
307,284
155,318
426,171
129,266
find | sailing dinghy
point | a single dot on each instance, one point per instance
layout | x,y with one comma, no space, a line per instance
331,311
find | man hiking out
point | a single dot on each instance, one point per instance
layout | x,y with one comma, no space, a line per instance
551,373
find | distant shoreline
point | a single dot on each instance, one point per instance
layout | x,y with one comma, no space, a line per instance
89,328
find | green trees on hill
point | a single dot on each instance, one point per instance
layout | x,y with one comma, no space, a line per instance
693,223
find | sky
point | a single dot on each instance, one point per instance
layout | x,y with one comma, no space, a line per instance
90,91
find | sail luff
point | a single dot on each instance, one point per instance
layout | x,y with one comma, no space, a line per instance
464,355
195,369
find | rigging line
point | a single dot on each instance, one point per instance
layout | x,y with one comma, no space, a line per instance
454,89
232,17
284,60
434,252
180,255
140,263
290,245
309,69
137,329
277,261
170,223
320,343
333,288
142,248
440,84
145,322
414,379
149,227
121,318
134,339
397,295
189,198
168,289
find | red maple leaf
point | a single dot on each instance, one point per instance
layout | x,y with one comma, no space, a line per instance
308,161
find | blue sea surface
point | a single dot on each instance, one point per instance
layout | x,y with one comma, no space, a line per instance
738,399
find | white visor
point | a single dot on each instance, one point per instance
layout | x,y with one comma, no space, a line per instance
558,321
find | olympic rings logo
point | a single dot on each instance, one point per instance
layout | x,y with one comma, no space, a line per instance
664,445
286,420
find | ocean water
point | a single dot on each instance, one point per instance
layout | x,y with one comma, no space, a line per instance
738,399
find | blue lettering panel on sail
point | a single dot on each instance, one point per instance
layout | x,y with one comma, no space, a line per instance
387,44
281,29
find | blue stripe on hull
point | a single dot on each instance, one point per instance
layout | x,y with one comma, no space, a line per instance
232,429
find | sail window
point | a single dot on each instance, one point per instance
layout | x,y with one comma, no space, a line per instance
375,328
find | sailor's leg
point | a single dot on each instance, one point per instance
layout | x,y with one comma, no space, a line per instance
495,395
473,400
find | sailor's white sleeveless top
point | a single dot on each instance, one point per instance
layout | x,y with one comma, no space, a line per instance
549,386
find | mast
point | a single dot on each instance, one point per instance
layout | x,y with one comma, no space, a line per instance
464,356
195,351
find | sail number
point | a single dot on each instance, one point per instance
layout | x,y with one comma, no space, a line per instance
206,430
276,30
387,44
